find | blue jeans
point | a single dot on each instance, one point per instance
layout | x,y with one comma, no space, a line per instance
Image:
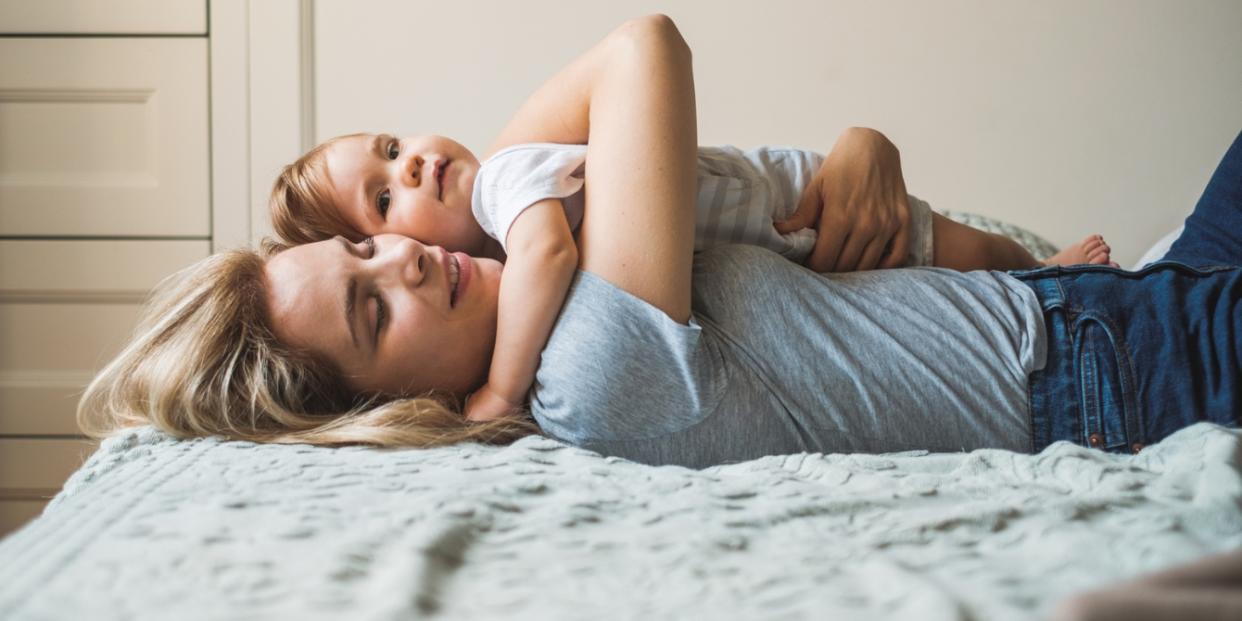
1135,356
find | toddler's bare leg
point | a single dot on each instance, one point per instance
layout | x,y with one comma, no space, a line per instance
963,248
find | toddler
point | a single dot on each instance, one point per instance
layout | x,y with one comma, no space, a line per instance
433,189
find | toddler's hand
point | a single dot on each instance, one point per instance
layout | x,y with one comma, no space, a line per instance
484,404
858,204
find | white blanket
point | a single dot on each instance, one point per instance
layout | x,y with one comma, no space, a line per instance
152,528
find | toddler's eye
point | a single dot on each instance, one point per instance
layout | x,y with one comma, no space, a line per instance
382,201
393,150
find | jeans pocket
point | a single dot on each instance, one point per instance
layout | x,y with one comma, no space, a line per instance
1106,386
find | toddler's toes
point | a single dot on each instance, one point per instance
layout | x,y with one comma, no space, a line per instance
1092,250
1097,250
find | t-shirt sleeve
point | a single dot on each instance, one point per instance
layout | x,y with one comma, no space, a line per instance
519,176
618,369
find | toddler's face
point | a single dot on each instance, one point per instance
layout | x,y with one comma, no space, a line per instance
419,186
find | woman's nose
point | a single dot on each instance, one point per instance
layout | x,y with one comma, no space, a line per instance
412,169
406,261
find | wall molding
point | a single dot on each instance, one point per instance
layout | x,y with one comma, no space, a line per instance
306,61
229,76
281,53
262,108
75,95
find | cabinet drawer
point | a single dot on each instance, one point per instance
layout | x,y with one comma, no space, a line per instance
29,466
104,137
109,17
67,307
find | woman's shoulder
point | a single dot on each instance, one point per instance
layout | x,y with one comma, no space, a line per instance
617,368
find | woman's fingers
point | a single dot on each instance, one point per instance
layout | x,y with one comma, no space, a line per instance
827,248
852,251
897,250
809,206
872,255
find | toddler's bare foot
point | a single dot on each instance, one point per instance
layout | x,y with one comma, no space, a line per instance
1092,250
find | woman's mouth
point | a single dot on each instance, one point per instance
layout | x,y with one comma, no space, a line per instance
460,269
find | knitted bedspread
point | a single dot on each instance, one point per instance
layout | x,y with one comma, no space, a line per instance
153,528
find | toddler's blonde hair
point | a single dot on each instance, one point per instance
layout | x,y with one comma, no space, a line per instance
301,202
204,361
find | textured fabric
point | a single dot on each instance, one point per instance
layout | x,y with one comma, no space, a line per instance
154,528
740,195
778,359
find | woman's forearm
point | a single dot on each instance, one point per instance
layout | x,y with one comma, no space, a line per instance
637,230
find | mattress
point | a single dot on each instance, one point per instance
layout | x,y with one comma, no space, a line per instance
155,528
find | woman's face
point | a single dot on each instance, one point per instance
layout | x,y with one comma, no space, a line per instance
394,315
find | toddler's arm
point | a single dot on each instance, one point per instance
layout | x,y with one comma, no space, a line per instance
541,263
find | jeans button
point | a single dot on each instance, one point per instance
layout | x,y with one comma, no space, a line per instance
1095,440
1136,447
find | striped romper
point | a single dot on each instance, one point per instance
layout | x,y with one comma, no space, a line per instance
740,195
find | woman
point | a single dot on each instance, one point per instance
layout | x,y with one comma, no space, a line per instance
751,356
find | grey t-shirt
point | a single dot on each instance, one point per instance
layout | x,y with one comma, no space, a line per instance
778,359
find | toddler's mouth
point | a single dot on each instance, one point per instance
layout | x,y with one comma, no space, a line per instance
441,171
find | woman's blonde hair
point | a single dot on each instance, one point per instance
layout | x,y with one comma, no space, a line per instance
205,361
301,201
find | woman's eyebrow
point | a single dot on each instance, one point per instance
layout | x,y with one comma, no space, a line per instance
351,296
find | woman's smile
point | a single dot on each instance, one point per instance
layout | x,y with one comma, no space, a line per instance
460,270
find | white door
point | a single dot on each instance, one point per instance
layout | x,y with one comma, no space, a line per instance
104,137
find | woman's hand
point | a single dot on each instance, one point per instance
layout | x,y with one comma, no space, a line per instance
858,204
485,404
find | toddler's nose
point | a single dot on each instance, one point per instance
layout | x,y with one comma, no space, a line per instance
414,169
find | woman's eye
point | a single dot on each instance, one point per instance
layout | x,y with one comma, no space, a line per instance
370,242
382,201
393,150
381,316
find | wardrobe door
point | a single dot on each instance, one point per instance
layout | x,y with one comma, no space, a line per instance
104,137
110,17
66,308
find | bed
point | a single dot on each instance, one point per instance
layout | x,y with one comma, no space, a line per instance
155,528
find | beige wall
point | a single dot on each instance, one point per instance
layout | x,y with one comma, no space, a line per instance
1064,116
